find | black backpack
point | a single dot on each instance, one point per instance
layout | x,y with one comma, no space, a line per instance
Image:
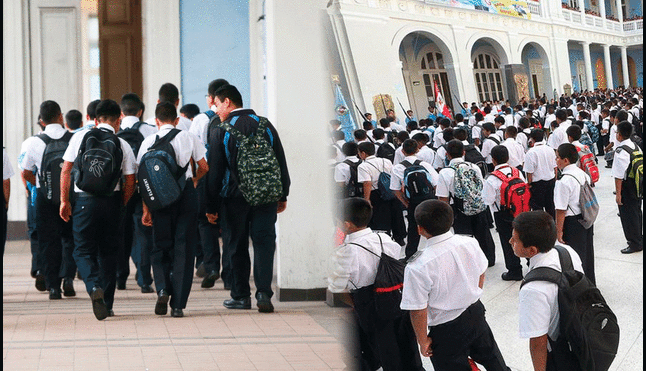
417,182
353,188
133,136
51,166
161,179
98,164
472,155
386,150
586,322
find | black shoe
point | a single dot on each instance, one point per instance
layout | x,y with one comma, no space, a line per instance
110,313
161,308
176,312
264,303
40,281
54,294
210,279
68,287
33,274
98,304
200,272
630,250
508,276
146,289
244,303
121,285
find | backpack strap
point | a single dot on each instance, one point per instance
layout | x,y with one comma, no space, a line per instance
137,125
417,162
210,114
406,164
564,258
356,244
45,138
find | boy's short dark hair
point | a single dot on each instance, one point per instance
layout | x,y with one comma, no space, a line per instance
166,112
479,116
378,134
412,125
349,148
367,125
356,211
130,104
366,147
215,85
434,216
500,154
523,122
168,93
489,127
536,228
455,148
447,134
49,111
91,108
409,147
561,115
537,135
574,132
499,119
231,92
402,136
625,129
360,134
460,133
384,123
108,110
190,110
445,123
568,151
74,119
459,117
420,138
511,131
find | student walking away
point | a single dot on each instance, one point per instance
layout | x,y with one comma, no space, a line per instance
346,172
169,93
360,259
7,173
413,181
604,131
43,154
540,168
491,139
627,171
251,197
385,149
508,194
170,206
100,159
471,151
442,289
189,111
90,115
570,211
515,149
559,135
73,120
207,253
587,160
546,308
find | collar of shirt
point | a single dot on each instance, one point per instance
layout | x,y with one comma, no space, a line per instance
500,166
625,142
167,127
106,126
576,143
411,159
370,157
52,128
465,142
455,161
439,238
570,168
129,121
539,259
357,235
541,143
352,158
89,123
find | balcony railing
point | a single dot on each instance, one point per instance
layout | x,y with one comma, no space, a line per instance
534,8
634,26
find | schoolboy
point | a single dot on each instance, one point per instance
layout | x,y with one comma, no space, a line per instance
343,173
559,136
174,226
491,139
96,217
168,92
73,120
515,149
90,115
357,261
533,237
540,168
189,111
442,289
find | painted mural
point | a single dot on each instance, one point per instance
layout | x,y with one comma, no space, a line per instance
514,8
601,74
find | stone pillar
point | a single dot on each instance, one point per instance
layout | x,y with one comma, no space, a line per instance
607,61
589,81
624,66
582,9
620,14
602,11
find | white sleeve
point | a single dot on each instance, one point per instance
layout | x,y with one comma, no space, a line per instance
128,164
7,169
417,287
534,313
363,175
26,159
442,189
75,143
489,191
396,179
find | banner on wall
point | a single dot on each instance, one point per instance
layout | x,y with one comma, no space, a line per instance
514,8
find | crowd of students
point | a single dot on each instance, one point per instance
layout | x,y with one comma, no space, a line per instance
158,191
530,169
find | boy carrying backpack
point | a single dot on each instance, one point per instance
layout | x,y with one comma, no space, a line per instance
345,172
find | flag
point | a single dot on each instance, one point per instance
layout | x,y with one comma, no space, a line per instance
343,114
439,103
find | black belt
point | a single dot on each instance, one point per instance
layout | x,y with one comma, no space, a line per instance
86,194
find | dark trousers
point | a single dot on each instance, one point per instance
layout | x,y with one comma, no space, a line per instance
542,197
387,216
581,240
51,229
258,222
467,336
96,223
412,242
37,257
478,227
504,221
142,247
630,214
68,266
126,239
175,236
602,142
208,247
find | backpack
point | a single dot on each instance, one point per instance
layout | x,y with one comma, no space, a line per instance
386,150
98,164
635,168
259,176
133,136
472,155
353,188
210,114
514,192
383,184
417,182
467,192
593,131
161,180
51,166
588,164
494,139
586,321
588,204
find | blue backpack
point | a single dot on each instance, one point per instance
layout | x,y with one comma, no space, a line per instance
417,182
593,131
383,184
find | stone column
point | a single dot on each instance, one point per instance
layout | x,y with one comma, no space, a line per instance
624,66
589,82
602,12
582,8
607,61
620,14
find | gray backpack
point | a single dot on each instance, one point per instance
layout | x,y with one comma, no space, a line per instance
588,204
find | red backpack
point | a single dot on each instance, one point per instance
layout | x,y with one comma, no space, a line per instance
587,163
514,192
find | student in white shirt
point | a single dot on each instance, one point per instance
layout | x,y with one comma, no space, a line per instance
559,137
424,153
442,289
169,93
516,152
491,140
344,173
476,130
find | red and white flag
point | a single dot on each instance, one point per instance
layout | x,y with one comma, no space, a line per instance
439,103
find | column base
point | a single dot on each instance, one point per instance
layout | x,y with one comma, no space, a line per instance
335,299
316,294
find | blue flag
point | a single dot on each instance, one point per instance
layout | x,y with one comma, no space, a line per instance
343,114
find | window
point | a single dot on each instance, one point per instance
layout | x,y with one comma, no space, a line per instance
433,72
488,77
93,57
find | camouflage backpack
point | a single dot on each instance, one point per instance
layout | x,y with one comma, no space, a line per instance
258,168
467,194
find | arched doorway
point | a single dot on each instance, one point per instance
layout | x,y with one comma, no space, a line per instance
536,61
488,57
632,73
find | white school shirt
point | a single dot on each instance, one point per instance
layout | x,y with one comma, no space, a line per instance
438,137
371,167
342,170
444,277
489,118
476,131
397,177
7,169
559,136
621,159
472,120
355,267
339,154
145,129
33,148
516,152
426,154
492,184
399,155
445,184
605,124
548,120
596,116
128,164
185,144
567,190
200,126
488,144
538,306
613,136
183,124
523,139
509,120
440,158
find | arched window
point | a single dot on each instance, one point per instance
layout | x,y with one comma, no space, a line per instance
433,70
486,70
